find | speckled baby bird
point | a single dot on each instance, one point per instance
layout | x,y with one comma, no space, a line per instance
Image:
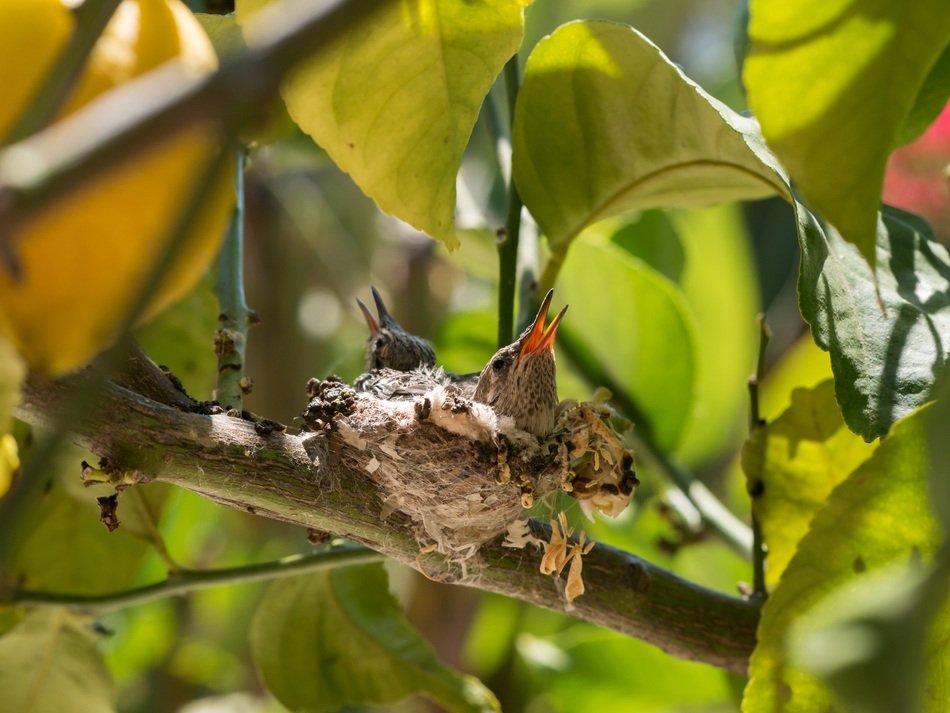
389,346
519,380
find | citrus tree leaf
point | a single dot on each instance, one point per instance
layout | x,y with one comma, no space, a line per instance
335,639
884,360
700,251
794,463
880,514
61,545
182,338
394,100
617,307
605,123
50,662
832,84
881,642
931,100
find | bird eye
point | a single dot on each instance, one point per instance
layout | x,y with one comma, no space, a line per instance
498,364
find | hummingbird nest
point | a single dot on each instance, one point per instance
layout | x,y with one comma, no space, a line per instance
461,473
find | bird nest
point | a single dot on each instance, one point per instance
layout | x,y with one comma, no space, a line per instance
460,472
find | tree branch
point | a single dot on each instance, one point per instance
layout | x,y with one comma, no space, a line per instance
321,480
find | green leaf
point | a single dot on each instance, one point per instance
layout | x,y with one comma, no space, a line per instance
617,307
832,84
223,32
329,640
701,251
931,100
605,124
795,462
884,362
49,663
881,642
394,100
182,338
880,514
63,546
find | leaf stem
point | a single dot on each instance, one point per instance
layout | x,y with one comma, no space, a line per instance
230,343
508,240
755,422
185,581
92,16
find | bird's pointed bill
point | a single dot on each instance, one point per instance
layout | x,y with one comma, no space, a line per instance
368,316
385,319
537,337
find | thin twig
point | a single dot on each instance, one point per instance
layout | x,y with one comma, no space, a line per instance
91,19
714,514
186,581
756,422
230,343
508,241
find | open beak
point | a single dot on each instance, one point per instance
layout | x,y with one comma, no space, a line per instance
370,319
385,319
539,338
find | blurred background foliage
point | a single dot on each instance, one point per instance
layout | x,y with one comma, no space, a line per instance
314,244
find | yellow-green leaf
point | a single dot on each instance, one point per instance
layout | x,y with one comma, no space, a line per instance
334,639
618,304
49,663
879,515
832,83
795,462
394,100
605,123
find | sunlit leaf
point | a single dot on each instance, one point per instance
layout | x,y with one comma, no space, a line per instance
618,306
880,514
329,640
832,84
605,123
394,100
931,100
577,669
795,462
884,361
701,251
881,642
49,662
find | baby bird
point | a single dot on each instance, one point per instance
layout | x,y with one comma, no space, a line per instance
389,346
519,381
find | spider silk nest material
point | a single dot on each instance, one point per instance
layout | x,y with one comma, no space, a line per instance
460,472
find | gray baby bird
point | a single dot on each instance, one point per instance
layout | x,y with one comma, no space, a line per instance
520,381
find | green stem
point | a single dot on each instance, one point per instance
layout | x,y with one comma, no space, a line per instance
91,19
191,581
714,514
13,505
755,422
552,268
231,339
508,242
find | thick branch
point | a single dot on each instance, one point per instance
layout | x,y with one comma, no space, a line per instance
303,480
